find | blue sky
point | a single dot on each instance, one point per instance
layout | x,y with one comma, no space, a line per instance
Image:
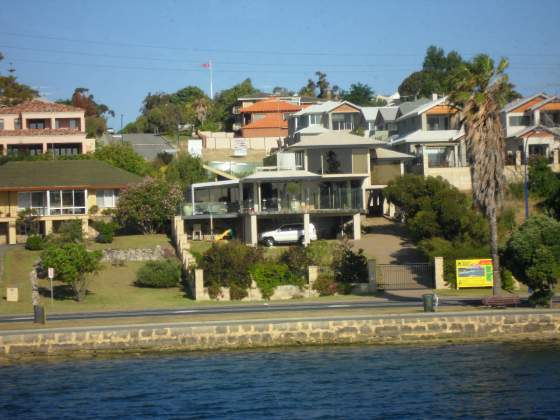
122,50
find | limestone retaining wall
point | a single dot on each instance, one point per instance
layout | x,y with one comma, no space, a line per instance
391,329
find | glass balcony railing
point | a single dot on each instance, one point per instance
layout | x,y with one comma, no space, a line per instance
209,208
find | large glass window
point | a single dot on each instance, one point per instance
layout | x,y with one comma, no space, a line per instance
67,202
34,200
36,124
1,124
316,119
106,198
342,121
519,120
17,124
441,157
438,122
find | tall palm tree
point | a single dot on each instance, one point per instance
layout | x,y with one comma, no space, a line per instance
481,90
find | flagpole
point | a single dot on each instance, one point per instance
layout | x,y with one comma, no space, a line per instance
211,88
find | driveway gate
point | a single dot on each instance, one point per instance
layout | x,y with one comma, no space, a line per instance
405,276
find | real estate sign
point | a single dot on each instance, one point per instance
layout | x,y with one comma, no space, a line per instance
474,273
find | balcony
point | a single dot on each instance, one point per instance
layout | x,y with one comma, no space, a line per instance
210,208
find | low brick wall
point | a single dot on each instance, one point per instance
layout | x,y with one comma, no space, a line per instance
417,328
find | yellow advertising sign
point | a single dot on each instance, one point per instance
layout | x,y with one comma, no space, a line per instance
474,273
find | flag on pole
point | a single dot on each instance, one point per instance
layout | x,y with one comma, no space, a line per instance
206,65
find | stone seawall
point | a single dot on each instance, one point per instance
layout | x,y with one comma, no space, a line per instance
214,335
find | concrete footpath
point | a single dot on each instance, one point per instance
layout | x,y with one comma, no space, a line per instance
231,334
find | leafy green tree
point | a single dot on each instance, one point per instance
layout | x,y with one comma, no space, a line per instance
185,170
361,94
438,76
309,89
481,90
533,256
73,264
149,206
123,156
12,92
225,101
431,207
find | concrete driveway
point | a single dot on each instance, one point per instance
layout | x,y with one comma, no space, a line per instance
387,242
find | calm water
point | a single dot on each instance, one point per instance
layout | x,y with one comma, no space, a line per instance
487,380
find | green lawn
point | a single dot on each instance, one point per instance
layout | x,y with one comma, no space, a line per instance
111,289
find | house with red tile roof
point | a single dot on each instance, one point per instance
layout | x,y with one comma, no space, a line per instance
37,126
267,118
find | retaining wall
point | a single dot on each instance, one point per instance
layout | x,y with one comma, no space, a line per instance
393,329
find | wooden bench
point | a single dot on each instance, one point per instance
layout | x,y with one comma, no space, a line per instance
501,301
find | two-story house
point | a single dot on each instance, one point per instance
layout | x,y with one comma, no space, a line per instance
37,126
328,179
532,127
431,131
268,118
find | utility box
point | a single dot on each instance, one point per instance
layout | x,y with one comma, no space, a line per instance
12,294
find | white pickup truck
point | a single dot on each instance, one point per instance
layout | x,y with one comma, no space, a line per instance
285,234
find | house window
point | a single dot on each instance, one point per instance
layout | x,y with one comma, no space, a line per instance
36,124
315,119
106,198
342,122
73,124
438,122
300,160
1,124
257,117
67,202
441,157
34,200
17,124
518,121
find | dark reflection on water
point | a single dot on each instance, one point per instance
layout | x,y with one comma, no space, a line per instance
467,381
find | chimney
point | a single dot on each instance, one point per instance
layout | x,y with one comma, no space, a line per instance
434,96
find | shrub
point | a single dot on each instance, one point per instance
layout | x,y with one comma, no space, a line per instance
94,209
71,231
269,275
350,266
106,231
297,259
507,280
227,265
35,243
542,181
516,189
433,207
159,274
325,285
533,256
321,252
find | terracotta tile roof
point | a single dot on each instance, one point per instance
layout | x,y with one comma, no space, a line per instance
271,106
41,132
38,106
270,121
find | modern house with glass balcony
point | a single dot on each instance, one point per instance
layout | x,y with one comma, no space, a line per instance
328,179
37,127
56,191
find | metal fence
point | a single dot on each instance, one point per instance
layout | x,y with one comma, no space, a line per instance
405,276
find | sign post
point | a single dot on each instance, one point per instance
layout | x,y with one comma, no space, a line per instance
51,277
474,273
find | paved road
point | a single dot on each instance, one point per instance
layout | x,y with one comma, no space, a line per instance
243,309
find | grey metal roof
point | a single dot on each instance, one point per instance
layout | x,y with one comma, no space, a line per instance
370,112
389,113
281,175
335,139
384,153
407,107
145,144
